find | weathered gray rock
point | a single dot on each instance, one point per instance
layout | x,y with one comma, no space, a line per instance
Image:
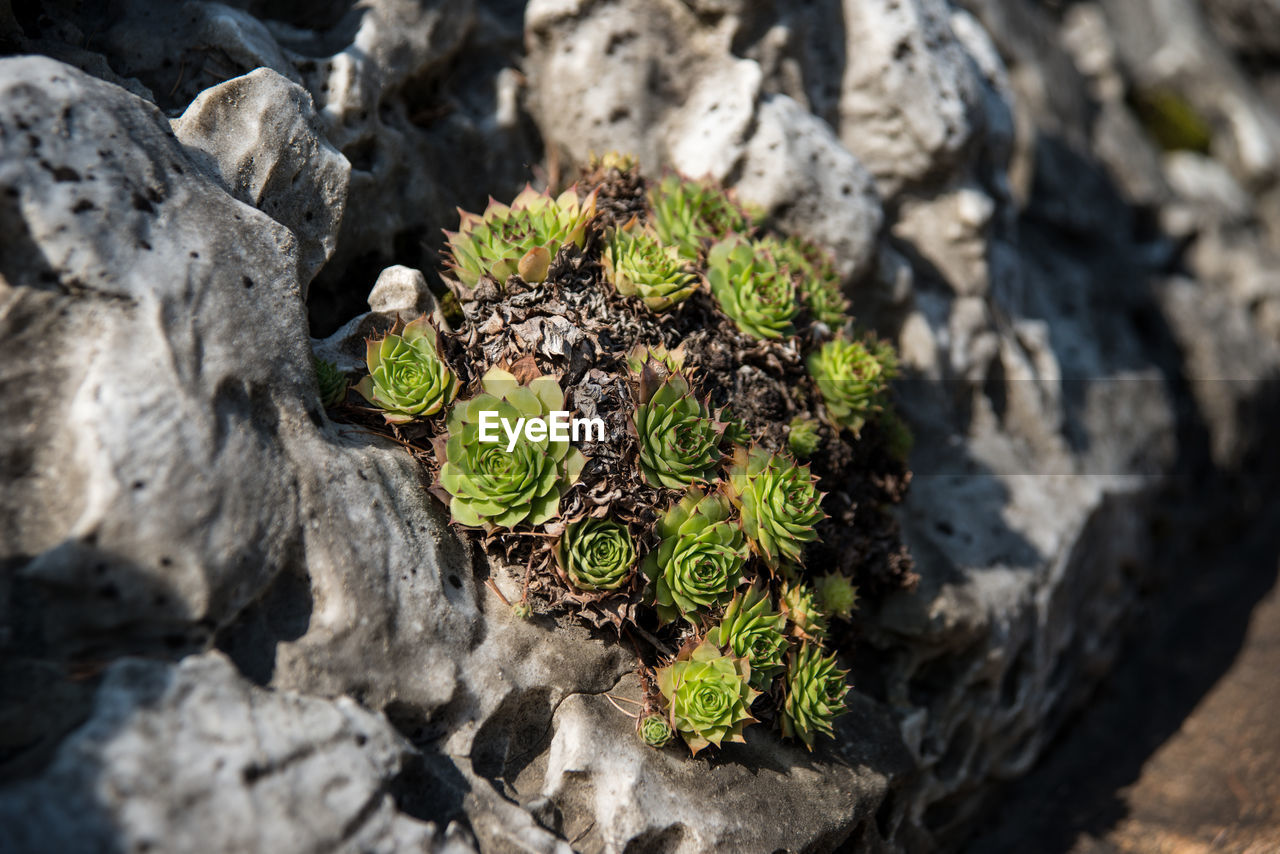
1167,43
191,757
174,483
261,135
328,573
698,110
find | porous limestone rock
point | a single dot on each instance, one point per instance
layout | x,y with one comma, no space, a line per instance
697,109
174,482
193,757
260,133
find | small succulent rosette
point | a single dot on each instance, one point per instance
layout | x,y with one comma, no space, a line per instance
805,619
521,238
689,215
817,281
331,382
853,379
708,696
803,437
779,502
492,487
640,266
596,555
756,294
407,378
655,731
679,440
815,694
753,629
835,595
699,560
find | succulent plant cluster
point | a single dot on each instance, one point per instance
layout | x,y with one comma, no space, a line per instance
596,554
708,694
690,215
521,238
816,278
679,441
639,265
709,520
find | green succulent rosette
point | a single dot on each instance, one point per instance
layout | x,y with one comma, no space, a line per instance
691,214
596,554
815,694
407,379
755,293
332,382
699,559
522,237
753,630
679,441
802,612
816,278
655,731
640,266
835,595
853,379
779,502
803,437
490,486
709,696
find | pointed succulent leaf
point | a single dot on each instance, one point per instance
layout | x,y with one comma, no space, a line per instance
670,361
803,614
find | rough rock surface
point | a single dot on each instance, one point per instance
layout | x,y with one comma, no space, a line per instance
174,751
260,132
1067,298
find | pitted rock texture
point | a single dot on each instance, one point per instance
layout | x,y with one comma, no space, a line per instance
188,757
260,132
1067,299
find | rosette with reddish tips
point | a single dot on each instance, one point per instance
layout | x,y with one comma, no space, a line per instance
708,696
521,238
407,378
779,502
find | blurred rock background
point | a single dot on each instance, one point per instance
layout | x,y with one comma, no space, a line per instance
229,624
